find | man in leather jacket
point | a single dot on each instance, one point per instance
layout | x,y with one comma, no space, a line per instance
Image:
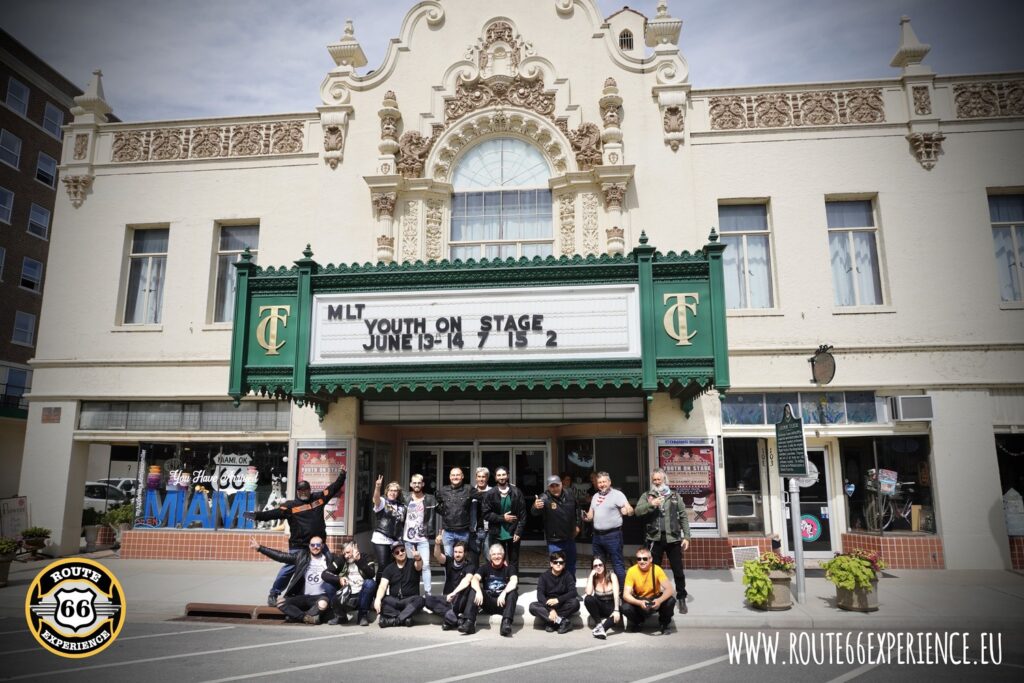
561,516
453,507
306,597
353,574
505,512
305,516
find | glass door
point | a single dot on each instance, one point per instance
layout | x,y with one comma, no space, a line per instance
423,461
529,477
492,459
461,458
815,513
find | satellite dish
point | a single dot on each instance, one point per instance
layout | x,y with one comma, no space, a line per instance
812,476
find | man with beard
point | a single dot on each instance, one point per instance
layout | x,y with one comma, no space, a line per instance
668,529
505,512
305,517
398,595
458,574
420,522
305,596
495,589
557,506
477,523
354,576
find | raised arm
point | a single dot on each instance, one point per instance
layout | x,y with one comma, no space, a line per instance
376,491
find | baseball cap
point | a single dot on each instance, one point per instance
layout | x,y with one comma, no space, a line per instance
554,479
397,544
302,485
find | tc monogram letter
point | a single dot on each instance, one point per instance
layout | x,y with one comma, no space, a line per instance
278,314
675,316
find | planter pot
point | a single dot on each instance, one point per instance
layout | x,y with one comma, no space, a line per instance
781,597
5,568
92,533
34,544
859,599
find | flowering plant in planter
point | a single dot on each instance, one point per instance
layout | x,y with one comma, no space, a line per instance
757,576
854,569
8,546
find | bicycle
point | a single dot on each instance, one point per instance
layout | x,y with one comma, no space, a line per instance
881,511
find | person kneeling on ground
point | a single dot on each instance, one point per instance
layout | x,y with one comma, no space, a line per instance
305,596
557,599
602,598
647,591
494,589
398,595
458,574
354,576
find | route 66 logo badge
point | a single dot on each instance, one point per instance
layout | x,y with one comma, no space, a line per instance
75,607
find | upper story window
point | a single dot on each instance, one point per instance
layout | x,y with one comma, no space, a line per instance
501,206
31,274
1007,215
39,221
17,96
46,169
747,261
146,270
626,40
53,119
234,239
24,332
6,204
853,246
10,148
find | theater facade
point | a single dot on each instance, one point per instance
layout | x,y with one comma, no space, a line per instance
525,240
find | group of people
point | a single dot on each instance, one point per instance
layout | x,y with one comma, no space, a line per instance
475,532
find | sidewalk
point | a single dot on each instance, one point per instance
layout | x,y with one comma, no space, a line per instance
157,590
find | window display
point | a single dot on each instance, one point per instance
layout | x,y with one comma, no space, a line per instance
890,493
744,500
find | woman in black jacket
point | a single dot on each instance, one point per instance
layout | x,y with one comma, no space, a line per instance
390,522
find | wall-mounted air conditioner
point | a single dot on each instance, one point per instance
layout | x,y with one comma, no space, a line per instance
910,408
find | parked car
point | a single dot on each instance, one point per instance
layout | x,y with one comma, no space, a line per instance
126,484
101,497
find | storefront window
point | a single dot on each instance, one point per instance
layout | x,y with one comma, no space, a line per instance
373,457
744,500
816,407
895,496
1010,455
209,485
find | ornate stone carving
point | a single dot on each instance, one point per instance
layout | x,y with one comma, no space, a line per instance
77,186
385,249
413,149
247,141
519,92
389,117
433,217
334,141
384,203
586,142
989,100
922,100
81,142
411,231
590,245
797,109
610,103
674,121
616,240
926,147
567,223
208,142
614,193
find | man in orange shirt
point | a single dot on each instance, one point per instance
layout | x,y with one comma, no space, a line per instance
647,591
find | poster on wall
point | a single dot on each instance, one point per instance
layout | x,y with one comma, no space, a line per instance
689,464
319,465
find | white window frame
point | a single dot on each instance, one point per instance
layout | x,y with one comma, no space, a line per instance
149,258
20,320
7,146
35,280
53,119
852,246
20,105
1017,267
39,163
745,263
35,212
6,208
228,314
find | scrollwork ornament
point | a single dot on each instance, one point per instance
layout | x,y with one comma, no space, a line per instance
77,186
246,141
922,100
586,142
128,146
384,203
410,231
590,243
567,223
81,144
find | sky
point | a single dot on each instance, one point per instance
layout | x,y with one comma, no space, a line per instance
198,58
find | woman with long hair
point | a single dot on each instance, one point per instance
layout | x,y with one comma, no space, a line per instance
602,598
390,521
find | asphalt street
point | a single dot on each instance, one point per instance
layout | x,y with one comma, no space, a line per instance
187,652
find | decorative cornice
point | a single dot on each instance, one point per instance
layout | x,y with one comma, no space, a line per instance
201,142
776,110
989,99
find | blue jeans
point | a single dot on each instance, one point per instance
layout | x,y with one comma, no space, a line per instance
568,548
283,575
448,539
423,547
609,546
478,545
366,595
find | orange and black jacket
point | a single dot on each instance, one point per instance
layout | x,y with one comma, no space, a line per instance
305,517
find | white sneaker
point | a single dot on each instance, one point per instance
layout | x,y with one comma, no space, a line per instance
599,633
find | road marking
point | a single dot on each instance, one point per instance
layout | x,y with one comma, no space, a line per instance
319,665
850,675
531,662
76,669
676,672
123,638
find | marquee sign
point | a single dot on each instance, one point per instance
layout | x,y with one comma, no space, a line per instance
620,325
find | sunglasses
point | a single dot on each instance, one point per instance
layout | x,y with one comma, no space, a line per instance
316,545
396,551
643,559
557,561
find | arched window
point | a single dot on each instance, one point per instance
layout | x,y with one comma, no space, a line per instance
626,40
501,206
